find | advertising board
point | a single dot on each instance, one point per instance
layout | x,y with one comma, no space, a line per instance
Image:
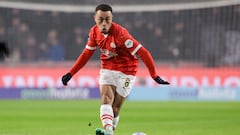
186,84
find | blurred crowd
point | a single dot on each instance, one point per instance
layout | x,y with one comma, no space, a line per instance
210,36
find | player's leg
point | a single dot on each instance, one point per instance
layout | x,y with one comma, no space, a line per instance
117,104
107,90
107,93
123,88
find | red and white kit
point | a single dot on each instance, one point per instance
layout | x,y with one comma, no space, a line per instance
118,51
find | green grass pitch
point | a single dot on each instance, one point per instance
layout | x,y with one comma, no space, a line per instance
72,117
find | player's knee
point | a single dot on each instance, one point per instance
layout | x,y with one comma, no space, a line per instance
107,99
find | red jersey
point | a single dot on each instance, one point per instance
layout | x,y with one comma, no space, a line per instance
118,49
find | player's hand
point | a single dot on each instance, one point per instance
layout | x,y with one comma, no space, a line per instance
66,78
161,81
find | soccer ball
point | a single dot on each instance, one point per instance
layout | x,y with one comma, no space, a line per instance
139,133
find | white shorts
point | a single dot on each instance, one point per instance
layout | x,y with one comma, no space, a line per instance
123,82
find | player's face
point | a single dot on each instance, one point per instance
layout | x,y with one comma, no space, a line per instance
103,20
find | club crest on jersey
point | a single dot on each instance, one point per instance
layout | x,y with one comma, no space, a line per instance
113,45
128,43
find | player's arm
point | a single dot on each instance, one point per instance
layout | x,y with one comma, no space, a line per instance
82,59
79,63
147,59
134,47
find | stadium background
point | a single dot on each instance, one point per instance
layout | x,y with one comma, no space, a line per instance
195,44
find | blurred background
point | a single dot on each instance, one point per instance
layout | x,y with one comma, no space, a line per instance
195,44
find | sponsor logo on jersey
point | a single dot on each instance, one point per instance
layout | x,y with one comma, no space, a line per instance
108,53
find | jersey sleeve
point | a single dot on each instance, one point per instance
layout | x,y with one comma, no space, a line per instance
81,61
86,54
129,42
134,47
91,43
148,61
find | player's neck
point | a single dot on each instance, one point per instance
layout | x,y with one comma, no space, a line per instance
105,35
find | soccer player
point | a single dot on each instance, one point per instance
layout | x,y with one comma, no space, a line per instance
118,65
